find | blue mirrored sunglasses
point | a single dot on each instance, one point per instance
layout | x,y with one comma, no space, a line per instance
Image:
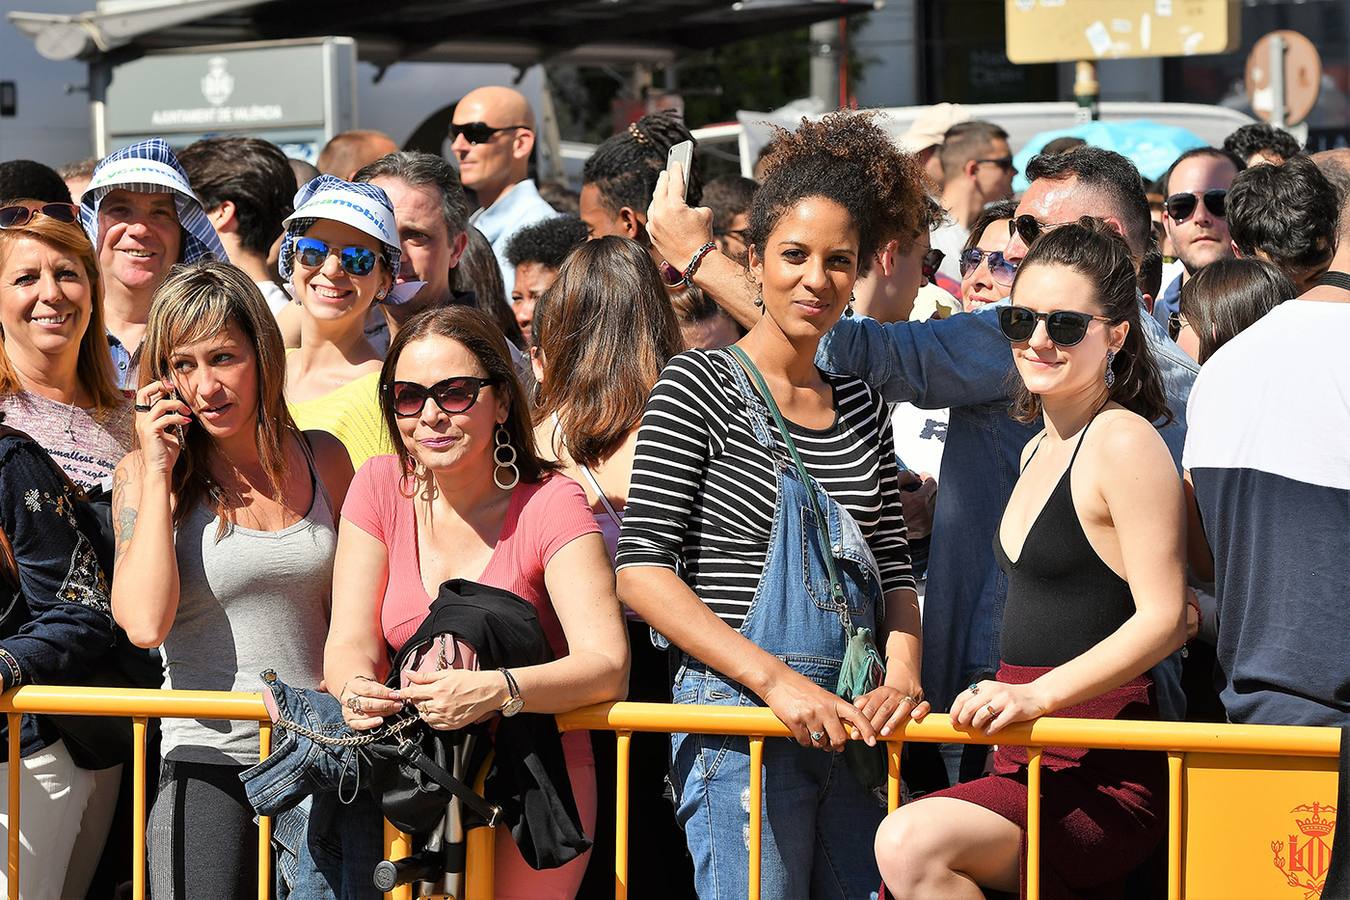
311,252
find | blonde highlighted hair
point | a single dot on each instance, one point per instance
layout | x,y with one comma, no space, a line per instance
197,302
93,370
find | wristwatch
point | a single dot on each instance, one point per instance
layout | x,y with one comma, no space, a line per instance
514,703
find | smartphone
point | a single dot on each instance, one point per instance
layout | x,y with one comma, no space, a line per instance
682,153
178,429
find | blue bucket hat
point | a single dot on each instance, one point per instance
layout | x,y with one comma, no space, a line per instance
150,167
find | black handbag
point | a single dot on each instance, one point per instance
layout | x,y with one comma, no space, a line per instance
94,742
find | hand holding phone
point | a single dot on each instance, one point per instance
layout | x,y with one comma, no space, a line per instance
682,153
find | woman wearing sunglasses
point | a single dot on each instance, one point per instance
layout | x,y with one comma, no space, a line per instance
466,496
722,550
1092,545
340,252
225,518
56,379
986,277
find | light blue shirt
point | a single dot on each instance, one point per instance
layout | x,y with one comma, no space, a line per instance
965,363
513,210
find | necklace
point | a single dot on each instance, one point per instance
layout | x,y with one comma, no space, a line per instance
1334,279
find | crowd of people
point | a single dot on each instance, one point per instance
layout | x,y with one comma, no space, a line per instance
864,439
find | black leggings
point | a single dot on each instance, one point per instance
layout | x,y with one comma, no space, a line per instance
203,843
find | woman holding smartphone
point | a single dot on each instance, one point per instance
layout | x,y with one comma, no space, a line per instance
225,518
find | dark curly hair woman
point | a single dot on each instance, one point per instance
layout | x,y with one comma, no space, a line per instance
764,537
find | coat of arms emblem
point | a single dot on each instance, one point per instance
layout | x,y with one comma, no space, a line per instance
1305,859
217,84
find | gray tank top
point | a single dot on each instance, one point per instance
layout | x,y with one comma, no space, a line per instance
251,601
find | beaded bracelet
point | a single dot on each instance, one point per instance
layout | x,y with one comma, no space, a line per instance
15,673
690,269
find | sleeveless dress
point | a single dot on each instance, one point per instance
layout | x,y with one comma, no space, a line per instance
1102,811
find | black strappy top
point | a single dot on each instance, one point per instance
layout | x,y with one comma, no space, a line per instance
1062,599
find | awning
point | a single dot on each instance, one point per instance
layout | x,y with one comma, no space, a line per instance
520,32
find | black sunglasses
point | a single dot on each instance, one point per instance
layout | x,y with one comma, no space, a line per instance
453,395
1003,162
1175,322
479,132
1028,228
932,261
19,215
1064,327
1000,267
1180,206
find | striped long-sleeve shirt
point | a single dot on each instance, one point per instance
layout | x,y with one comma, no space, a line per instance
703,490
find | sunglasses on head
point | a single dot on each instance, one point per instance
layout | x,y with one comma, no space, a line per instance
932,261
1028,228
311,252
453,395
1063,326
1180,206
20,214
1000,267
479,132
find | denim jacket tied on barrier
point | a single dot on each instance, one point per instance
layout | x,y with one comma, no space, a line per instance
965,363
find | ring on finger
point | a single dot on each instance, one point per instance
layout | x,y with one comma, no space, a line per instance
974,688
817,736
989,708
143,407
354,704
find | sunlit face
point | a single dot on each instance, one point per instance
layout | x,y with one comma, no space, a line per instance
994,181
1047,369
908,276
218,379
487,165
139,239
808,268
329,292
1056,203
429,253
978,287
1202,237
532,279
601,221
441,441
45,300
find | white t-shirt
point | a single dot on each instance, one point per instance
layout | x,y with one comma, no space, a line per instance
950,238
919,435
276,297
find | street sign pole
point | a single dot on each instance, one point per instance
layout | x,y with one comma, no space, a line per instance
1086,91
1277,112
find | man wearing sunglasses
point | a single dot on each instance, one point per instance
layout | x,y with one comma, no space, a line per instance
492,135
964,363
977,168
1195,188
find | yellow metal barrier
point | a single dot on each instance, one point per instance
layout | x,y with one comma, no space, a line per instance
1251,808
1236,792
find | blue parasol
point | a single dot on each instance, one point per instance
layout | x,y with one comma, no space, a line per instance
1150,146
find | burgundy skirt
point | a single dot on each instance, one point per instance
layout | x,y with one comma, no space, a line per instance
1102,811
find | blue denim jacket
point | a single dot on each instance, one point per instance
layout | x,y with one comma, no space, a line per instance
965,363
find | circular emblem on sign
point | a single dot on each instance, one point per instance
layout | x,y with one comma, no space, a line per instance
217,84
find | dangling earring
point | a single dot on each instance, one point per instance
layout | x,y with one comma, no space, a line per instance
848,308
1110,372
504,455
759,301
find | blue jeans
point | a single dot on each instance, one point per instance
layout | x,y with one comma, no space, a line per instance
818,819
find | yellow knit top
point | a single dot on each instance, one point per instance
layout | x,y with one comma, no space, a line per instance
350,413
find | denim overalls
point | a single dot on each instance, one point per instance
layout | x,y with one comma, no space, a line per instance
818,820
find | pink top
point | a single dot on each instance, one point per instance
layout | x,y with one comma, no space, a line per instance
540,520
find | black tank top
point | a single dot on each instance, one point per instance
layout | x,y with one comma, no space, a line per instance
1062,599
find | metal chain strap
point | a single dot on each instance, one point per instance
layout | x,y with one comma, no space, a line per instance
356,740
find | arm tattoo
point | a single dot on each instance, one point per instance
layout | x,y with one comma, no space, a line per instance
126,518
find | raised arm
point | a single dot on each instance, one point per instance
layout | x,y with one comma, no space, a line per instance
145,574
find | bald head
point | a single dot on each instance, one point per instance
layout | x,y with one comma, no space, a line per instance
1335,165
352,150
491,160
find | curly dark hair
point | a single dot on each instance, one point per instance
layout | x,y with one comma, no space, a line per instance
848,158
625,167
1286,212
1262,138
1095,250
546,242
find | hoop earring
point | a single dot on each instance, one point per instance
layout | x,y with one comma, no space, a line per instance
504,455
1110,377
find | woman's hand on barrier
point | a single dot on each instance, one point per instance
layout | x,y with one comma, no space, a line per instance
365,703
453,698
886,707
991,706
808,709
161,423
